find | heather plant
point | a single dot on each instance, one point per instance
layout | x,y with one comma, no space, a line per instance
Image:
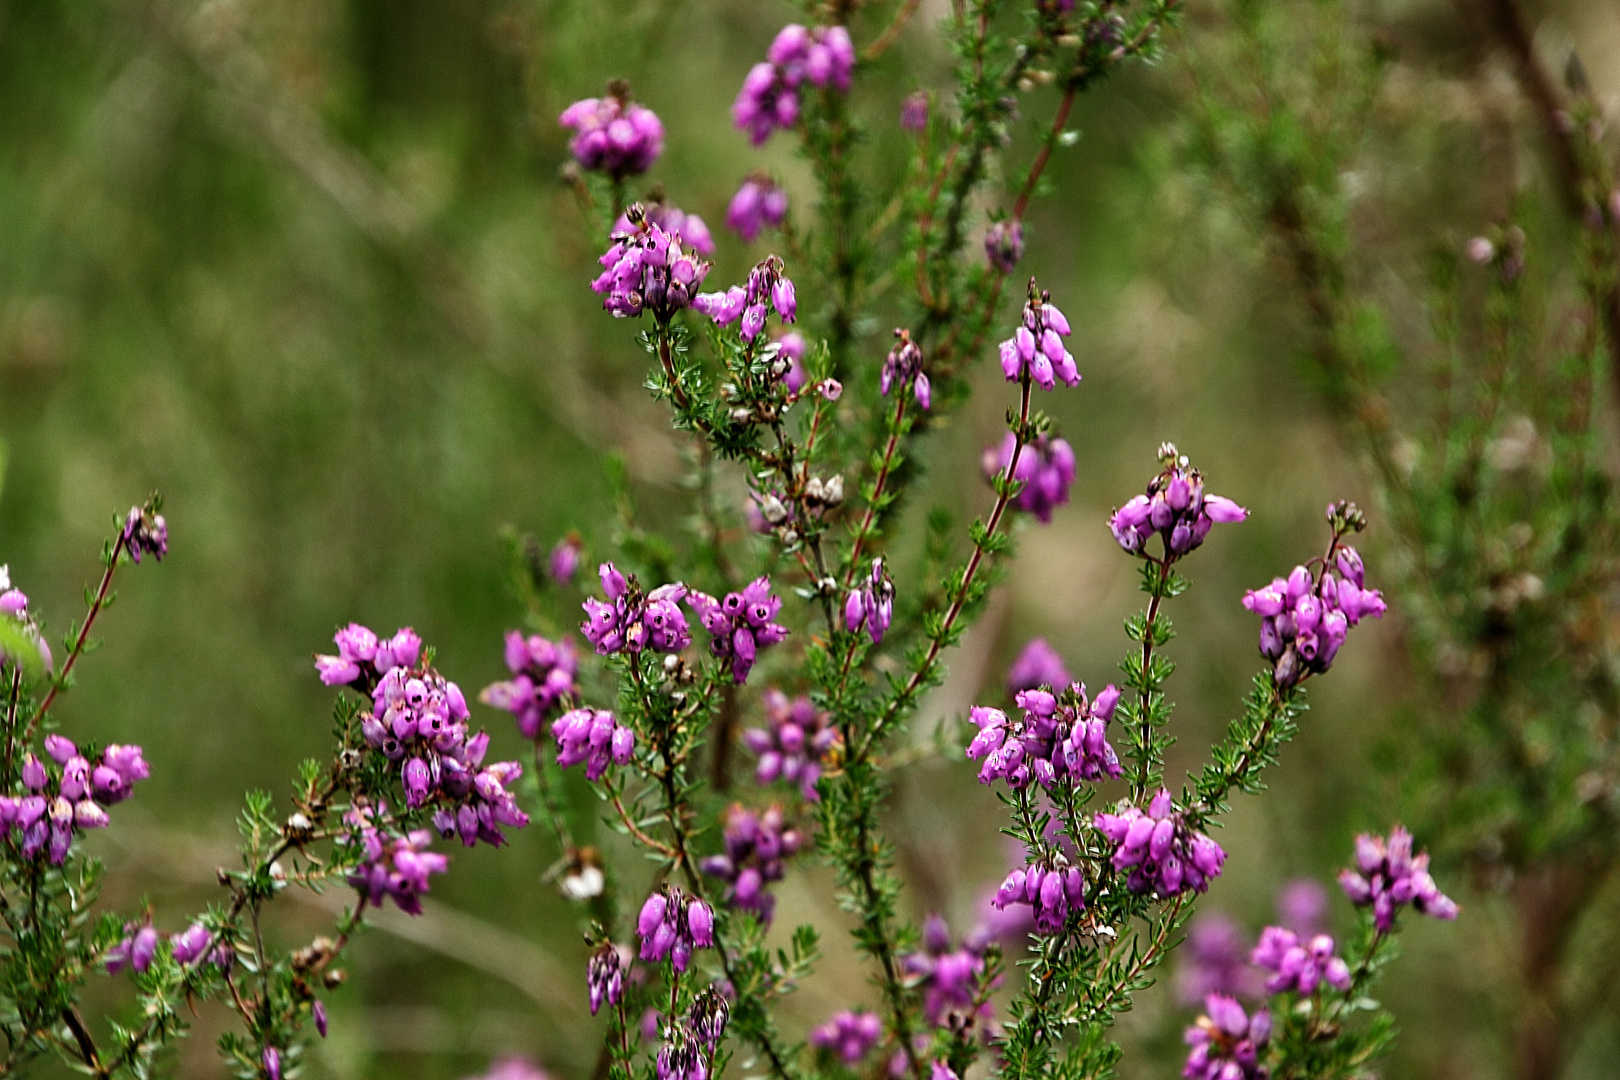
820,625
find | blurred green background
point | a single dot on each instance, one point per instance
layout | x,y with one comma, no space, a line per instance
306,267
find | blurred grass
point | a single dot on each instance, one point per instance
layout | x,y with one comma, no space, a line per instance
305,268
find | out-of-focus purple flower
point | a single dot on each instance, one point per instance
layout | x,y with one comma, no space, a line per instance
542,679
914,112
145,533
792,748
1299,965
671,924
1215,961
903,370
135,951
195,944
1037,665
646,269
613,135
592,736
675,222
1037,348
628,621
792,348
769,98
1388,876
1045,466
740,624
604,975
1302,906
1175,507
1060,738
512,1068
317,1012
849,1035
1051,889
949,975
768,289
14,604
871,605
565,557
1004,245
1226,1042
760,203
271,1059
1306,616
1165,855
756,843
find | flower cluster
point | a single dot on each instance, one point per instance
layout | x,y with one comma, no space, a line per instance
849,1035
1058,739
903,369
630,622
949,976
768,289
675,222
1226,1042
769,98
363,658
1037,665
1051,890
1216,961
756,844
135,950
872,605
646,269
1305,617
604,976
690,1042
196,943
760,203
1388,876
793,747
1175,507
1045,467
672,924
145,533
542,679
1299,966
391,865
71,796
592,736
612,135
1164,854
1036,347
1004,245
740,624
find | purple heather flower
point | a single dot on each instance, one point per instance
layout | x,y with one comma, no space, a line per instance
564,561
317,1012
850,1036
135,951
1164,854
392,865
512,1068
1037,348
68,796
1037,665
756,843
1299,965
363,658
612,135
1004,245
1050,889
1060,738
145,533
1388,875
939,1070
740,624
949,976
769,98
542,679
14,604
1175,507
592,736
1215,961
708,1015
792,347
675,222
646,269
629,622
903,370
914,112
1226,1042
195,943
872,605
1045,466
793,747
760,203
1305,617
672,924
768,289
1302,906
272,1063
604,975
